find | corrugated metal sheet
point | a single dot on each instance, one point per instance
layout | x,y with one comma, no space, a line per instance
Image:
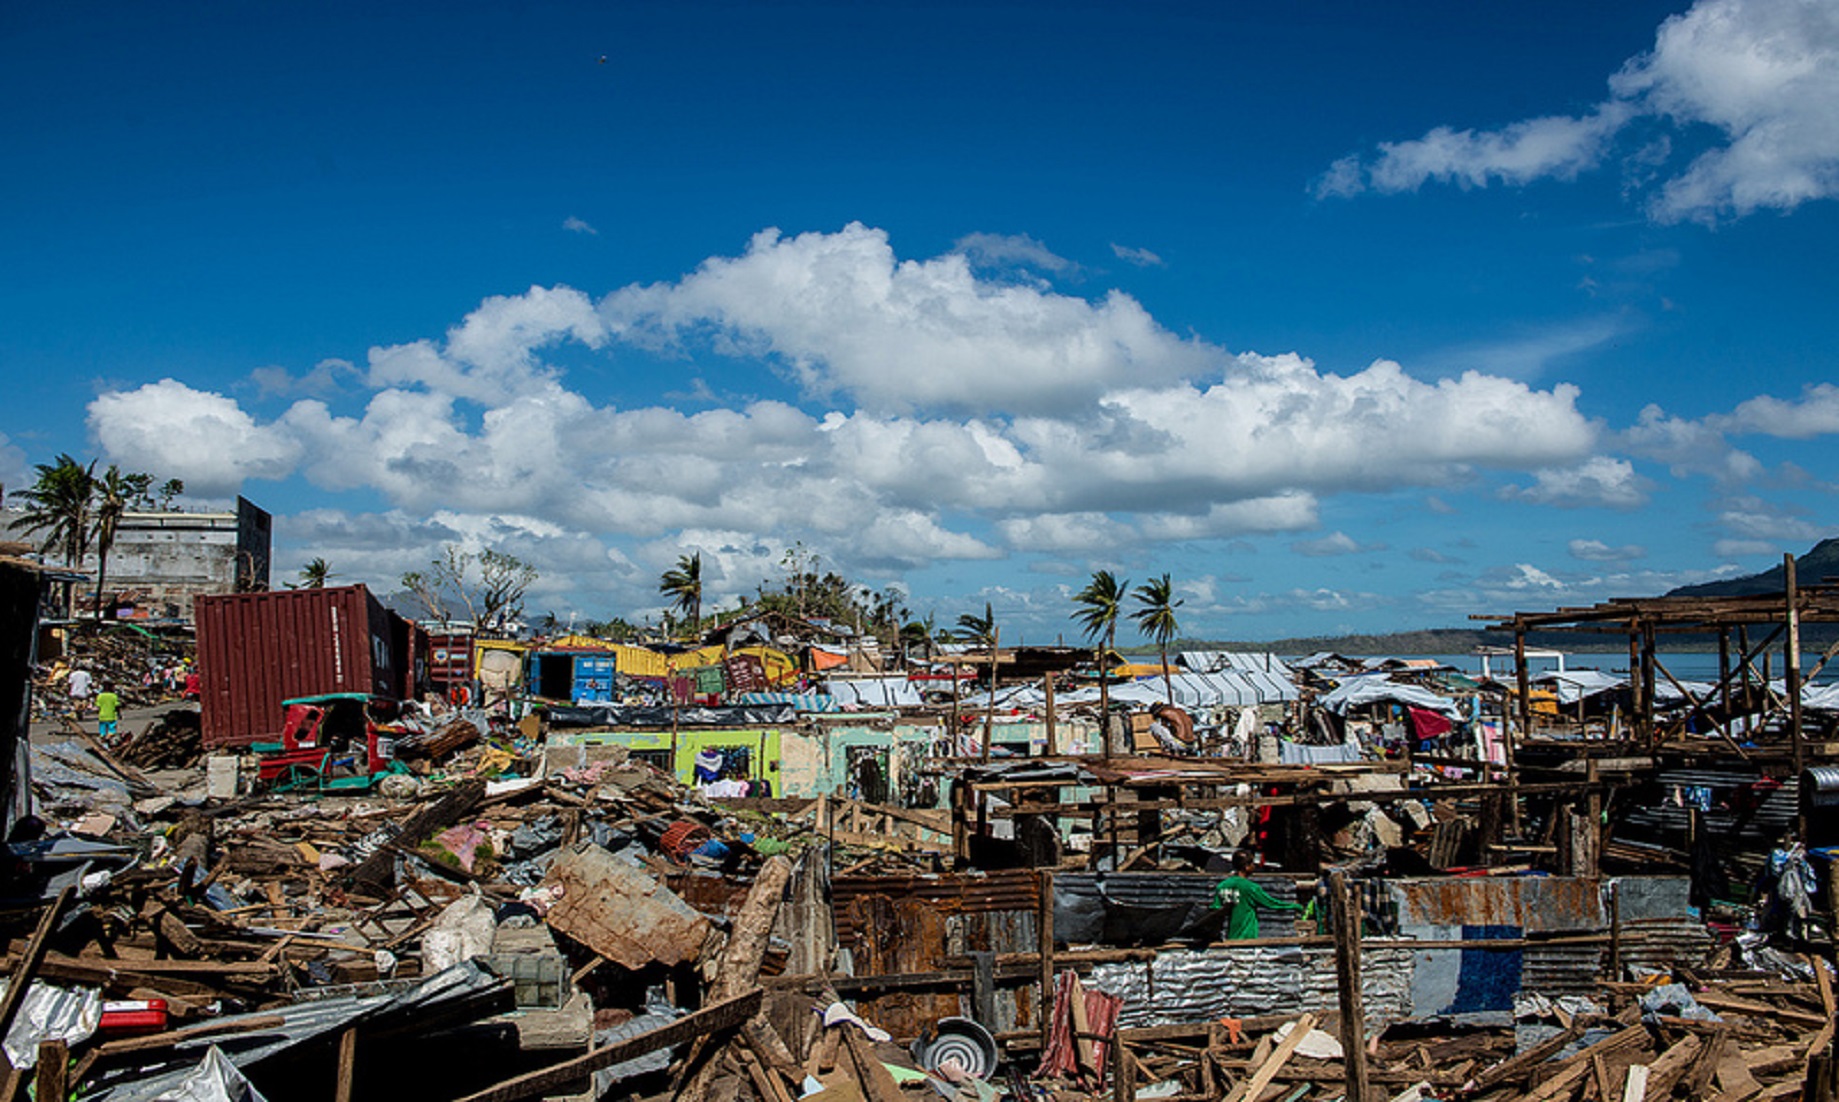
1181,986
1131,907
257,649
1537,904
1013,890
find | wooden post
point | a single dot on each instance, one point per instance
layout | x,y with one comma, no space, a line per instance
1593,805
1724,671
957,725
1044,929
961,796
1635,704
1346,913
1523,681
1053,745
989,711
1743,648
1793,672
1615,933
347,1064
52,1083
1648,726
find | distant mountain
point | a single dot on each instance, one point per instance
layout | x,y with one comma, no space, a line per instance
1817,565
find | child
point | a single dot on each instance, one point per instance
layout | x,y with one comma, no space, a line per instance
108,711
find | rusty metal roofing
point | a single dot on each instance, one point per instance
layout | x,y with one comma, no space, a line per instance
1013,890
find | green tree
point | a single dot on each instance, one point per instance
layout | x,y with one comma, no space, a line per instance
57,509
978,630
169,489
1101,602
489,585
1155,617
112,493
683,585
314,575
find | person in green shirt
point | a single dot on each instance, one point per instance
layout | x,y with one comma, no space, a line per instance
108,711
1241,897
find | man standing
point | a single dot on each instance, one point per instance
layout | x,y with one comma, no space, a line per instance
78,686
108,711
1241,897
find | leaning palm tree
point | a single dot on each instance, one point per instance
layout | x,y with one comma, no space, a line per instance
1101,602
1155,617
315,574
683,585
112,493
57,506
978,630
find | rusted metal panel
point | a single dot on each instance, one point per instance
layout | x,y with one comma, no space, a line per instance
256,650
1013,890
621,912
901,936
1536,904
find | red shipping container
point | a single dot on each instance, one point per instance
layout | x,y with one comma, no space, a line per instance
256,650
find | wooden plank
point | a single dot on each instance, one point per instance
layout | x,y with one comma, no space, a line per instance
1525,1061
1634,1088
53,1079
710,1019
1559,1086
1672,1066
347,1064
1346,914
21,973
876,1081
1044,925
1253,1087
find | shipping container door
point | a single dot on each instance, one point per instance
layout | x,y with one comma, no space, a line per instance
594,677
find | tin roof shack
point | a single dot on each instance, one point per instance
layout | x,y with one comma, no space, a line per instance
256,650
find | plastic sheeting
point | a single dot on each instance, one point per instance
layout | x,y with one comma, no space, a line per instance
50,1013
1379,689
874,692
215,1079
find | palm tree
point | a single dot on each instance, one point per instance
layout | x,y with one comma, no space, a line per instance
683,585
1101,603
112,492
1156,619
978,630
58,506
315,574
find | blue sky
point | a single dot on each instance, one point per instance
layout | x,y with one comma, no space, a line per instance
1351,317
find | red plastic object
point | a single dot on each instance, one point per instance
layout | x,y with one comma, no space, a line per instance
133,1016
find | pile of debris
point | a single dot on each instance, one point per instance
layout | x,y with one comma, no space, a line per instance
144,670
521,921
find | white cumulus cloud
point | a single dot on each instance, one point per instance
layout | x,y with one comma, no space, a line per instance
1760,74
842,314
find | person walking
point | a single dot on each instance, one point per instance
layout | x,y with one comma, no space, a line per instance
1241,897
78,686
108,711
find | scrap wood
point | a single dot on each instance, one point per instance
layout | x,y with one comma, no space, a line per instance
21,973
1525,1061
710,1019
876,1081
1698,1077
1672,1066
1252,1088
